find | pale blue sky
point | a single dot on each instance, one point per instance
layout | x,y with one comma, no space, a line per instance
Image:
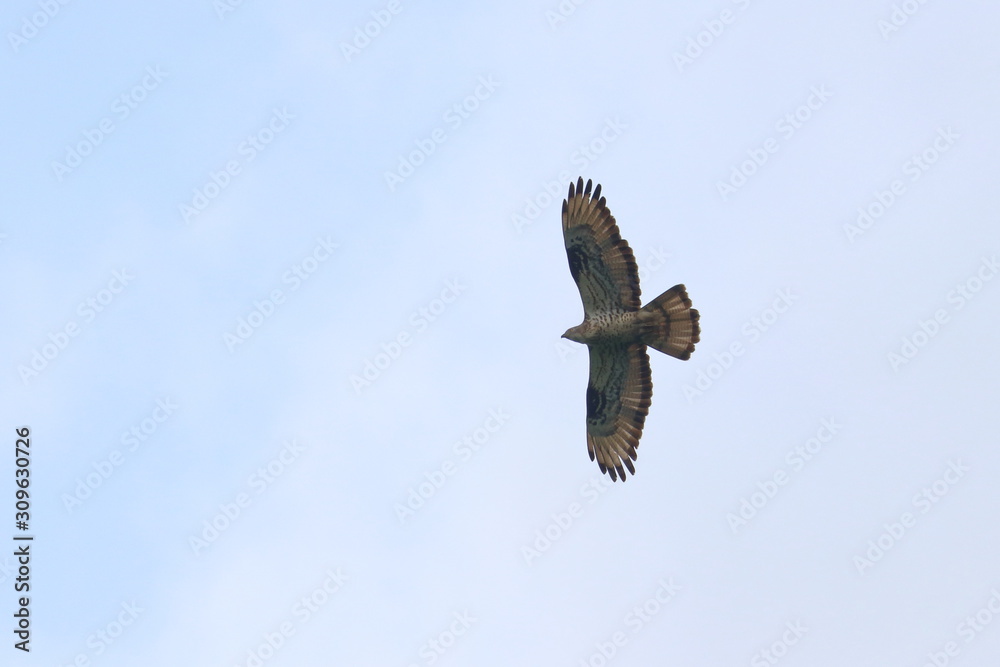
231,185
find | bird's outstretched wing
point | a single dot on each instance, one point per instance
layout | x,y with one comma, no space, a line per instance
618,397
601,262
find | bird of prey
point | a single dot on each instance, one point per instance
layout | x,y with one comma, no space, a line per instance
617,330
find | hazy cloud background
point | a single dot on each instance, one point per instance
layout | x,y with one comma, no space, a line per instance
220,312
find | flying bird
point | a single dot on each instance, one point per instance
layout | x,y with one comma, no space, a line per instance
617,330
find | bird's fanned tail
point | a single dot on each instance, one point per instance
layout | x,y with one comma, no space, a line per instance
669,323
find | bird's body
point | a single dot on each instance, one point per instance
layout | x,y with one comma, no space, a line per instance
607,325
617,329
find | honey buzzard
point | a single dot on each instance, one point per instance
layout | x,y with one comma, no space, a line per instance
617,330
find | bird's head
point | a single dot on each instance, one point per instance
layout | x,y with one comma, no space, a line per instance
576,334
